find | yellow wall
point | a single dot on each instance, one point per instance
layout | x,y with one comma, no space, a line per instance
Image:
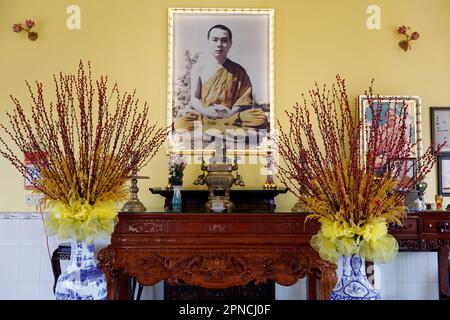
314,40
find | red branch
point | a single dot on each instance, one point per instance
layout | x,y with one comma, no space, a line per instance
86,142
317,159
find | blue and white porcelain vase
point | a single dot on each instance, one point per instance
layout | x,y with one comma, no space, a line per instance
81,280
176,198
352,280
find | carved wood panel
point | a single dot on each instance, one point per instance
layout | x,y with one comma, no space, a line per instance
225,250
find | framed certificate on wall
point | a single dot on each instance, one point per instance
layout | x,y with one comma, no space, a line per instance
444,174
440,127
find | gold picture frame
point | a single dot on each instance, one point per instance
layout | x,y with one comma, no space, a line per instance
232,102
444,174
414,118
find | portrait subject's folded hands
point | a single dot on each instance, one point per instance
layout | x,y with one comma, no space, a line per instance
248,118
187,121
222,111
252,117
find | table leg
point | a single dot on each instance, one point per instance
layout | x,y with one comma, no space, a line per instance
124,286
327,280
112,283
312,285
444,292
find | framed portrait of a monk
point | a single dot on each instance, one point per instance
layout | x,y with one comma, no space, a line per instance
220,79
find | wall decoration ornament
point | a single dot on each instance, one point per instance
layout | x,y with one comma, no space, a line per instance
27,26
405,44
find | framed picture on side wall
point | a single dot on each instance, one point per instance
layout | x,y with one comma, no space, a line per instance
406,170
220,79
387,106
440,127
32,172
444,174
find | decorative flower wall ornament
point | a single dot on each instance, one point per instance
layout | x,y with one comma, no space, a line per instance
404,44
18,27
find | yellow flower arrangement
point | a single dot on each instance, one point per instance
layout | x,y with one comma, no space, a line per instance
82,220
338,185
368,237
83,147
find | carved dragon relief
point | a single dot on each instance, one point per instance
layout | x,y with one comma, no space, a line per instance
283,228
326,273
216,268
146,227
191,225
106,258
422,244
285,269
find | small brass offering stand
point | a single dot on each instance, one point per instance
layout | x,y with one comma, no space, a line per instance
133,204
219,177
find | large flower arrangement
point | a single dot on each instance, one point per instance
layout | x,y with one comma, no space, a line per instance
83,146
340,186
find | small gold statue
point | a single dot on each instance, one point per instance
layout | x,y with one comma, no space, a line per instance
438,199
269,184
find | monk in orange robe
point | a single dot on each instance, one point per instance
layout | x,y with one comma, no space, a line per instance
221,90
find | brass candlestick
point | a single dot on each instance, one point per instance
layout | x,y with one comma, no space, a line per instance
133,204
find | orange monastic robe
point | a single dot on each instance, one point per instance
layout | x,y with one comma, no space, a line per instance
229,86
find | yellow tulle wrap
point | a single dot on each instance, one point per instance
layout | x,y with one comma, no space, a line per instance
369,240
81,220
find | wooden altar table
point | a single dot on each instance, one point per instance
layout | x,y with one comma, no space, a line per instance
223,250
